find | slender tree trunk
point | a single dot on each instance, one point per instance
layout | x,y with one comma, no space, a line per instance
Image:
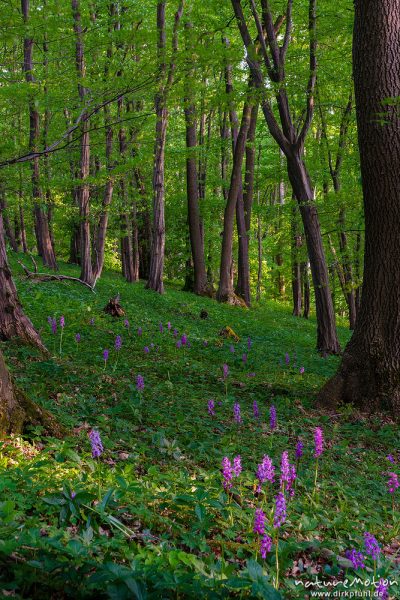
296,244
225,290
327,341
83,190
305,284
192,183
369,373
45,247
155,281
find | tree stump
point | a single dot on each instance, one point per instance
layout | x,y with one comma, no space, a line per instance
114,308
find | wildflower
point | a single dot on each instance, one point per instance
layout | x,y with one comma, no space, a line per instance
301,370
152,345
169,326
382,590
390,458
139,383
53,326
225,370
91,321
236,412
291,480
95,442
371,545
231,348
105,355
299,449
73,494
265,472
126,323
139,331
244,358
287,358
237,465
251,374
179,344
265,546
184,339
211,408
356,558
272,417
249,342
319,441
256,411
259,521
175,332
118,342
285,468
62,322
205,343
146,349
78,338
161,328
227,472
280,510
393,482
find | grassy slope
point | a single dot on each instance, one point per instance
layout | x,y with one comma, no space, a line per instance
177,533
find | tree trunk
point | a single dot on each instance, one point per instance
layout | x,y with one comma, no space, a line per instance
225,290
369,373
13,322
45,247
83,190
6,220
296,244
327,341
192,184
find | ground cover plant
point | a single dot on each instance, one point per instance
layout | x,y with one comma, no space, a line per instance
194,464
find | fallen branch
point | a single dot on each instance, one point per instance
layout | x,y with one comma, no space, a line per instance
52,277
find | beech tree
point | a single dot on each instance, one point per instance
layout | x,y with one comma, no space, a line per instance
291,140
368,375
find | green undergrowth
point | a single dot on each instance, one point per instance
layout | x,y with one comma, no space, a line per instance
150,518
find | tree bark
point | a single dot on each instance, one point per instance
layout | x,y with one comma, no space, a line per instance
225,291
13,322
156,270
193,185
83,189
369,372
6,220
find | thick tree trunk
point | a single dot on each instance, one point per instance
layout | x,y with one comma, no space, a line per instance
13,322
45,247
225,290
369,373
17,411
6,220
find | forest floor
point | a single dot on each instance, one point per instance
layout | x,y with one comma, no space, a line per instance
150,518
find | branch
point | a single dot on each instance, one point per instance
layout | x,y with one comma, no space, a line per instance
272,39
52,277
312,27
82,117
172,65
288,30
255,68
261,38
